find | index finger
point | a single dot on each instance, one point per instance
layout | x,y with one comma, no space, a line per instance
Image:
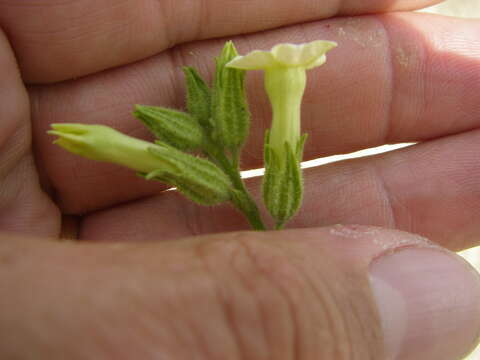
58,40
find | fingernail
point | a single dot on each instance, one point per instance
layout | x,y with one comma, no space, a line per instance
429,304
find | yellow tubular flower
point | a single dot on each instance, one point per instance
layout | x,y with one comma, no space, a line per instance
285,80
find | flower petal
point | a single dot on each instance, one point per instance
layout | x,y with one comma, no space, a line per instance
308,55
256,60
314,52
288,54
317,62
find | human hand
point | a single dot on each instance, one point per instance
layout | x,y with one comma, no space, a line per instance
299,294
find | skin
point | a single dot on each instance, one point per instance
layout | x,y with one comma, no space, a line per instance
396,77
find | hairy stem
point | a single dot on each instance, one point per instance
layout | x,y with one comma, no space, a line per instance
248,207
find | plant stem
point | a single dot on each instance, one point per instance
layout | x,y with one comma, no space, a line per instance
248,207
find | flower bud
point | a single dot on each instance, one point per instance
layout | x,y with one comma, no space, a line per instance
175,128
198,179
198,97
230,115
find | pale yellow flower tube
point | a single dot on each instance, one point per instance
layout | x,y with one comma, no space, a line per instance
285,81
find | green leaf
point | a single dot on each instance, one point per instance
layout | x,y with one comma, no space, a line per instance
175,128
198,97
230,114
198,179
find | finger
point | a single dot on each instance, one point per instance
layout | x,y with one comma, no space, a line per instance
422,189
61,40
411,82
23,206
373,295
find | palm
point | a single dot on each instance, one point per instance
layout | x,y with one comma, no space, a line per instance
386,83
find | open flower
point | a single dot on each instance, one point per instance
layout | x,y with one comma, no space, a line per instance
285,80
306,56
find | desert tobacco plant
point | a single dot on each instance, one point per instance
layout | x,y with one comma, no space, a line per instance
285,80
198,151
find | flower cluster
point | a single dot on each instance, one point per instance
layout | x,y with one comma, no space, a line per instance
216,125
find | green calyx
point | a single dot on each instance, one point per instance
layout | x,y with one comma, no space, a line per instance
283,181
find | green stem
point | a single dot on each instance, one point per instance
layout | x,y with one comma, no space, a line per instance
248,207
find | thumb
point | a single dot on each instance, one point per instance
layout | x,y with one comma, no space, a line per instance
343,293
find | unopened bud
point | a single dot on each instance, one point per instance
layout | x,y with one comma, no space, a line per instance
198,97
175,128
230,114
